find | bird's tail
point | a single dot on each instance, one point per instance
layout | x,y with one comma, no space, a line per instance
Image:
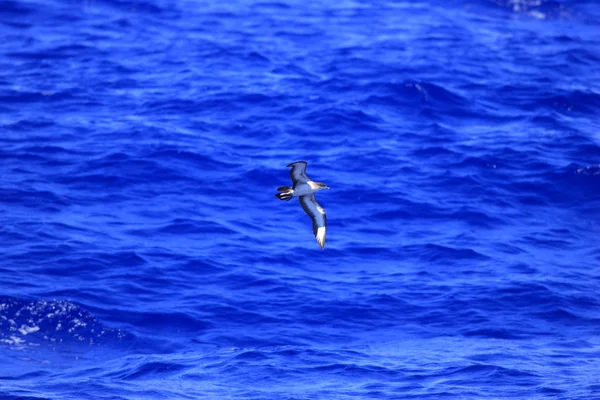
286,193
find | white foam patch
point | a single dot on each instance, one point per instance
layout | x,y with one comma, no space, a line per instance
24,329
22,322
13,340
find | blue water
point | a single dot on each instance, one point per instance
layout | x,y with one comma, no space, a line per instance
144,255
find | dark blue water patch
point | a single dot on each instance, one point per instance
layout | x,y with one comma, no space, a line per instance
581,183
141,7
190,157
582,57
152,370
488,374
574,101
435,152
43,97
167,321
29,375
349,118
13,9
60,52
418,95
8,396
29,125
497,333
178,227
440,254
38,199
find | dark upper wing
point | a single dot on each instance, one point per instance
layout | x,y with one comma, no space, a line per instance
298,172
317,214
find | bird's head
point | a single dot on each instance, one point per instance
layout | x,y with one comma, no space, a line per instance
321,186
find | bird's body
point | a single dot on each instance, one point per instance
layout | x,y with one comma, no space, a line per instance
305,190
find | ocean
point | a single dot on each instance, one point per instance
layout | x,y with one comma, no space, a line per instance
145,256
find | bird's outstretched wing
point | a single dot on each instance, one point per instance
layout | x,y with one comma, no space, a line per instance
298,172
317,214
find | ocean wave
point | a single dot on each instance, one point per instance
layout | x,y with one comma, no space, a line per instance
52,324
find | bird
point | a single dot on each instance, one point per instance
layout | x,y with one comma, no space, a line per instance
305,190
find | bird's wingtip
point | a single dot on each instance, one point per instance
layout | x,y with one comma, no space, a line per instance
320,236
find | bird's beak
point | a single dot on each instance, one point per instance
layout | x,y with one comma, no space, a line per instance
327,187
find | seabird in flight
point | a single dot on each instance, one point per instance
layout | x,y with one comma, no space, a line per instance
305,190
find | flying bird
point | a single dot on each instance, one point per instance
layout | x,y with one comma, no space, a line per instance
305,190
